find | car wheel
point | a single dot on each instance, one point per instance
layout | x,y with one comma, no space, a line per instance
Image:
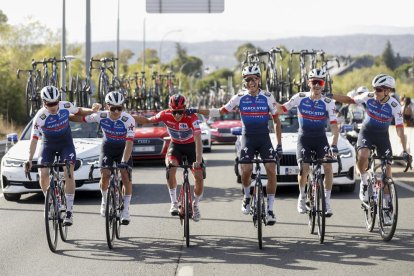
12,197
349,188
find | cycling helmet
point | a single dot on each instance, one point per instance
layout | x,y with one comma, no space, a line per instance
317,73
361,89
114,98
251,70
50,94
383,80
177,101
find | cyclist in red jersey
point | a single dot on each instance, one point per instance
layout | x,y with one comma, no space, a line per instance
185,134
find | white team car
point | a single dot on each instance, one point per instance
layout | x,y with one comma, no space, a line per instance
205,133
288,165
87,140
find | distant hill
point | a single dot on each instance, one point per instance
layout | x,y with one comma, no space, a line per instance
220,54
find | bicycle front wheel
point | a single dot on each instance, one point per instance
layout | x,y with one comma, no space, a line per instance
387,210
259,214
110,217
320,209
370,210
187,215
63,229
51,219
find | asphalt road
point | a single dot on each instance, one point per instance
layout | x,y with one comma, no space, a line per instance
222,243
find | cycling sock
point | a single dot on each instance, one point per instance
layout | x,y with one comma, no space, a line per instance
270,200
127,200
197,199
173,195
327,195
247,192
104,194
69,202
364,178
302,191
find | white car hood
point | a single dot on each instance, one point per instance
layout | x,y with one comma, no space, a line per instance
84,148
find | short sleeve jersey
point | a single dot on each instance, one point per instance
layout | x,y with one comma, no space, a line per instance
312,114
114,131
181,132
54,127
379,116
254,111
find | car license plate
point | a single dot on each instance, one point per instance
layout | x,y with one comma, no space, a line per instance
289,170
144,149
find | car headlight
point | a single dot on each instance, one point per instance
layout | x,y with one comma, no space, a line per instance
90,160
347,153
13,163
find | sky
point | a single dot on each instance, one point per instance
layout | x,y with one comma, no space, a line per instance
241,20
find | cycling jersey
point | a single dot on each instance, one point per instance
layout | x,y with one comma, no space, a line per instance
379,116
181,132
312,114
54,128
115,132
254,110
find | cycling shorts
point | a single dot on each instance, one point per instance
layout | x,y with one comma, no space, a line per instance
111,153
256,143
306,144
368,139
177,151
65,150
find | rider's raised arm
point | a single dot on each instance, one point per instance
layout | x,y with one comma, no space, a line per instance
130,124
399,122
333,120
343,99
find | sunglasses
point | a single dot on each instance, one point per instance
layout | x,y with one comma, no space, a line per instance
52,104
320,82
379,89
251,79
178,112
116,108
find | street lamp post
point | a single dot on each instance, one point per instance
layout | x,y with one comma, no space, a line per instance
162,40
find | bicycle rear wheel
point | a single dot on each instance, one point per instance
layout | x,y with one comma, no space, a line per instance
310,206
51,219
388,210
370,213
187,215
110,218
320,209
63,229
259,214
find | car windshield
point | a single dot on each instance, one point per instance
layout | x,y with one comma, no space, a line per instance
289,122
231,116
79,130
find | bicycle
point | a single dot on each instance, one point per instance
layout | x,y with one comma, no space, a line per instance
382,197
185,199
315,194
257,209
55,202
114,204
32,95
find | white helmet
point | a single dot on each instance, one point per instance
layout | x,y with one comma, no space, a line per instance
317,73
251,70
361,89
383,80
50,94
114,98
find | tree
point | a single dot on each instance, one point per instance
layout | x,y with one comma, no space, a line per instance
388,56
124,56
240,53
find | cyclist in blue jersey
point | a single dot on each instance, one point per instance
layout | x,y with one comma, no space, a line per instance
381,108
314,110
51,124
255,105
118,129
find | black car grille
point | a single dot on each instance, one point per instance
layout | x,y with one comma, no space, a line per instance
288,160
223,130
77,165
158,144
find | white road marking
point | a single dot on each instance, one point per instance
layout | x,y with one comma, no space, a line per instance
406,186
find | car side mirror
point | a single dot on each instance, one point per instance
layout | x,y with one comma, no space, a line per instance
236,131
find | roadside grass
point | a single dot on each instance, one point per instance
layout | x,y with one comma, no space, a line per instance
7,127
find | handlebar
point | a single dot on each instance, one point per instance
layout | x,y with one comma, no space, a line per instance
40,166
93,167
391,158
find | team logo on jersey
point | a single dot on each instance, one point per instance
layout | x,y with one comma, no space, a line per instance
66,105
301,94
43,116
124,118
182,126
393,104
327,100
371,95
103,115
